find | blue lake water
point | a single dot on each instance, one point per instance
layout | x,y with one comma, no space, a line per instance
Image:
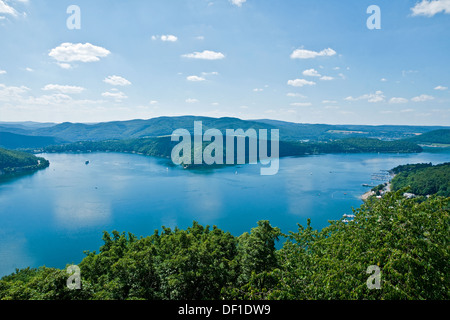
50,217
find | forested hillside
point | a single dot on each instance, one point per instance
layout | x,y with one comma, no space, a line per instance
437,136
19,141
407,239
162,147
350,145
163,126
12,162
423,179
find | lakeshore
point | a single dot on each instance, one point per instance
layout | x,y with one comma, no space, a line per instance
387,188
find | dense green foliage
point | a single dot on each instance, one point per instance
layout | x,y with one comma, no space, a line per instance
436,136
410,167
12,162
158,147
407,238
350,145
423,179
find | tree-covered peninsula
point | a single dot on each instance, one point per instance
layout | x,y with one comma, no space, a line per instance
163,146
16,162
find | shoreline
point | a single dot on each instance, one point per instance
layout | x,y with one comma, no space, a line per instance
366,195
385,190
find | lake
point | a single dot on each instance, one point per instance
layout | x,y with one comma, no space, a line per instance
50,217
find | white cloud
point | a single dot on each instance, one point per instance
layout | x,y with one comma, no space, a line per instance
371,97
295,95
422,98
195,79
311,73
326,78
11,93
214,73
190,100
205,55
153,102
52,99
407,72
64,65
258,90
329,101
169,38
18,102
441,88
398,100
238,2
70,52
3,72
301,104
6,9
308,54
166,38
115,94
117,81
300,83
430,8
383,80
29,69
63,89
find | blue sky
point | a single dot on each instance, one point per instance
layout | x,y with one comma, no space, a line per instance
294,60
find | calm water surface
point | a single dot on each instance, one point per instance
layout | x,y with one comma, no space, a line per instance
52,216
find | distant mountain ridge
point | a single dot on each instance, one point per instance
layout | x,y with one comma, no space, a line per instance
18,141
163,126
437,136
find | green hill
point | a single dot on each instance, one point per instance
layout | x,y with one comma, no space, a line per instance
433,137
163,126
15,162
18,141
134,129
423,179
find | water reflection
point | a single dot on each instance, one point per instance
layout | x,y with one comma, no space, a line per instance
80,212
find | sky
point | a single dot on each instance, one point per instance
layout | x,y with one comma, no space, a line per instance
304,61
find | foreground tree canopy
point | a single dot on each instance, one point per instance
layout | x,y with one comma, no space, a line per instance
408,239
